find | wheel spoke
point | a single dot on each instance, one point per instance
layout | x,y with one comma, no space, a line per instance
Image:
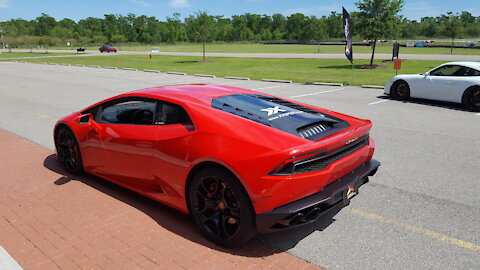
208,204
216,207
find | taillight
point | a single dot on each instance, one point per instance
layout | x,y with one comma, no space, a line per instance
288,166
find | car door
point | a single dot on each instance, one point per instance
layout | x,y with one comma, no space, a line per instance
128,134
174,153
439,84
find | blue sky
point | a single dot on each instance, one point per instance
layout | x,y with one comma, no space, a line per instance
79,9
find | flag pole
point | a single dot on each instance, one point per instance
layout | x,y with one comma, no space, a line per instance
351,82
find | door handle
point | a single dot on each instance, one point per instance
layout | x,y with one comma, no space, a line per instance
144,144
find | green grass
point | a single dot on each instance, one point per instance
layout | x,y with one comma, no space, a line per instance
262,48
297,70
27,54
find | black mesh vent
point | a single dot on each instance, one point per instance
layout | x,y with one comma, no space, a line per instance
322,163
288,104
311,130
242,113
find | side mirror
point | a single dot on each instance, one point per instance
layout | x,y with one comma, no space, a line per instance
425,75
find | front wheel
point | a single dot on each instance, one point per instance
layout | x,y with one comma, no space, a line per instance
471,99
400,90
68,151
221,207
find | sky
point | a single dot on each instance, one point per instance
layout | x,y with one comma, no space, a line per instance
80,9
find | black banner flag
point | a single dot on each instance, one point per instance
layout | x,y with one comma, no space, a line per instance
347,25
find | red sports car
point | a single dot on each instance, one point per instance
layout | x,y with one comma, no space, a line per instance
239,161
107,48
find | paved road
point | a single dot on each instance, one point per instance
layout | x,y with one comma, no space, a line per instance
443,57
421,210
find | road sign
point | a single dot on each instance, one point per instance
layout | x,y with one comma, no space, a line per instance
397,64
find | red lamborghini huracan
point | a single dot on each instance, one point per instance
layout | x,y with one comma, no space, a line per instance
238,161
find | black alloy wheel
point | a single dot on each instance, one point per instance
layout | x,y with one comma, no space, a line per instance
68,151
471,99
400,90
221,208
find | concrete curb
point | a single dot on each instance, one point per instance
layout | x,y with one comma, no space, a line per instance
7,262
176,73
110,67
150,70
205,75
78,65
274,80
93,66
237,78
131,69
373,86
326,83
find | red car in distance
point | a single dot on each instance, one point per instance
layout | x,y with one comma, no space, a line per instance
107,48
239,161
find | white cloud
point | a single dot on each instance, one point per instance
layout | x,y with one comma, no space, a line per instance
140,3
5,3
179,4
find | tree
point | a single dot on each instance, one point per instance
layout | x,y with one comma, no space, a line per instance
200,28
43,24
377,19
452,26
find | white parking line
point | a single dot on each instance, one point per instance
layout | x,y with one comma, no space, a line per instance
270,87
477,114
316,93
376,102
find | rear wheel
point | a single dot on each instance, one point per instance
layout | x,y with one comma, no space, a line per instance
221,207
400,90
68,150
471,99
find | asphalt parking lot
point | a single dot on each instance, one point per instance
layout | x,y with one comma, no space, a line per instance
421,210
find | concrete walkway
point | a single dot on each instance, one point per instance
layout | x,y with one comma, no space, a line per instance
52,220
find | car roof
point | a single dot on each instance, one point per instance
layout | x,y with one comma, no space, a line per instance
198,93
474,65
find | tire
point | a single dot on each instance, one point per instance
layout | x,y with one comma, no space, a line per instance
221,207
400,90
471,99
68,151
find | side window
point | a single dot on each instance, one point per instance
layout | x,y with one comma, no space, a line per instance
450,70
472,72
169,114
128,111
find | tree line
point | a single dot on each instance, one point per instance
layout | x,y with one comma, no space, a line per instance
248,27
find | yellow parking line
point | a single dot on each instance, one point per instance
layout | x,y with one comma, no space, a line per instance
434,235
22,110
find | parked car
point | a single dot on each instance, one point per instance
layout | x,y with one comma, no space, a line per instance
239,161
457,82
107,48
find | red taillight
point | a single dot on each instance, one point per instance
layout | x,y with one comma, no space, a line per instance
287,167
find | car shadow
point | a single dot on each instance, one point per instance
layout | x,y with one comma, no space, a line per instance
182,224
430,103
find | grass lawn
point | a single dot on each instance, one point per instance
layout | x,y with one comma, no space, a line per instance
262,48
27,54
297,70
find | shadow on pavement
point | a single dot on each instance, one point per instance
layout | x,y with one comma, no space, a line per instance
169,218
183,225
431,103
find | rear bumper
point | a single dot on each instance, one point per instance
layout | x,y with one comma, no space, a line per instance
311,208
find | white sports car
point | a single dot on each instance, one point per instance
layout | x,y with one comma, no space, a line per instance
454,82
